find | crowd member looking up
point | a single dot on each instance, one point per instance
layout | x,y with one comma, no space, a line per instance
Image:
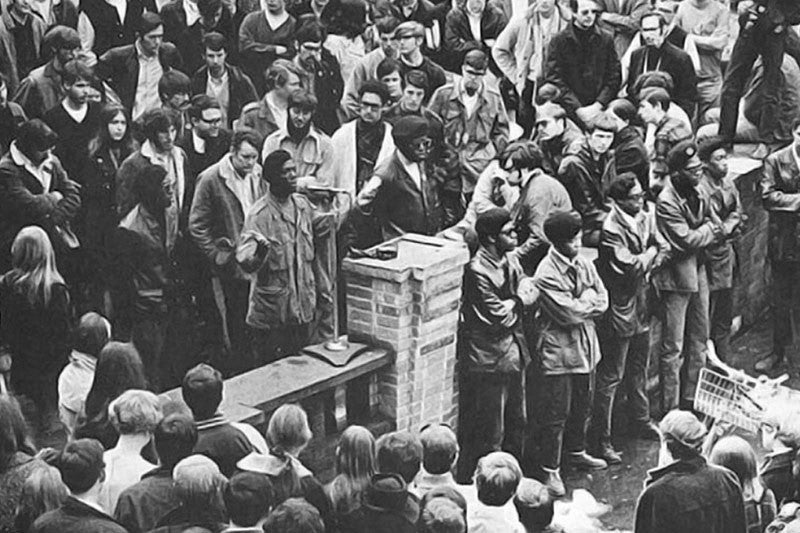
141,506
217,438
588,173
282,78
224,194
736,454
97,218
135,415
35,191
248,500
42,491
36,325
281,222
628,253
287,435
569,349
495,348
199,486
440,453
83,471
134,70
355,465
42,88
295,515
265,36
497,477
720,259
556,135
780,435
17,461
119,368
410,36
659,54
583,64
91,334
389,72
686,493
217,78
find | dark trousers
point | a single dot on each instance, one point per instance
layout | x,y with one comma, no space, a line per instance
720,315
493,416
785,293
565,415
624,359
527,113
760,40
268,345
237,297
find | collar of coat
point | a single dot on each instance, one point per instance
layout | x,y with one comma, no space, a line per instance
683,466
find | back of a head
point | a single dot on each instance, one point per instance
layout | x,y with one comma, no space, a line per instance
135,412
81,464
355,455
489,223
682,433
42,491
175,438
92,334
118,369
496,478
439,448
441,515
199,483
295,515
399,452
786,422
248,498
534,505
448,492
35,136
736,454
202,390
288,430
562,226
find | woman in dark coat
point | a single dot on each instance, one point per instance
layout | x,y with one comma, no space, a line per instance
97,217
37,318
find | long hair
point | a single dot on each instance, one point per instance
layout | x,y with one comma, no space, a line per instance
103,140
14,431
119,368
43,491
288,433
355,464
33,264
736,454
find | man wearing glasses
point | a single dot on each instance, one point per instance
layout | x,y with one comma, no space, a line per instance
400,193
475,129
583,63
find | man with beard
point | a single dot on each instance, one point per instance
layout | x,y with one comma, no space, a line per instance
323,77
208,140
588,174
173,91
232,88
659,54
366,67
277,247
475,128
400,194
225,193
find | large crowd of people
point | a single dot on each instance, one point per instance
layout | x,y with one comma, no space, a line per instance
180,181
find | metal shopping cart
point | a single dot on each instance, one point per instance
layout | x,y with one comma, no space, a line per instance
733,396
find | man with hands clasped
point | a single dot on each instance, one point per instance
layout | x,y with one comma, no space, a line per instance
494,352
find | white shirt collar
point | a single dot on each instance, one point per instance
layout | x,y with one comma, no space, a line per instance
43,172
198,143
77,115
412,168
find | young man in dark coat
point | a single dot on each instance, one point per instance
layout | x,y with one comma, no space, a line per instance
83,472
688,494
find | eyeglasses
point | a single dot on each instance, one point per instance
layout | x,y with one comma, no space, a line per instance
311,47
585,12
371,106
213,121
422,143
636,196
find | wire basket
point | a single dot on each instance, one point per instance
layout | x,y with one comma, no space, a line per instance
729,399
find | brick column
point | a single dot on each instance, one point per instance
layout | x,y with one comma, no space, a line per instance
411,305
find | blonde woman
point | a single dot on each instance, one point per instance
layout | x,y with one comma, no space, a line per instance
355,464
37,315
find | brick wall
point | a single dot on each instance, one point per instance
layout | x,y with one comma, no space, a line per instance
411,305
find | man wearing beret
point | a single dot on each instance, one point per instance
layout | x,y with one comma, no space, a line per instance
495,350
685,493
400,193
689,226
475,130
571,297
781,198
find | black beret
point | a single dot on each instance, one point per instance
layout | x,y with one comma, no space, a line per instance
562,226
708,146
409,128
682,156
491,222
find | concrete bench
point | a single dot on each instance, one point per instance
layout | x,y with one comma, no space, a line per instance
249,397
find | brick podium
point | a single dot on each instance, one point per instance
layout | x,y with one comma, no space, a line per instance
411,305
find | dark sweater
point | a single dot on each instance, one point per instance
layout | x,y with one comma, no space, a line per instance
72,147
